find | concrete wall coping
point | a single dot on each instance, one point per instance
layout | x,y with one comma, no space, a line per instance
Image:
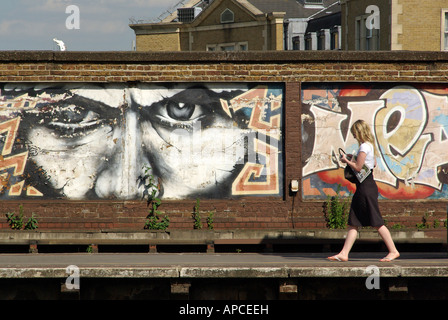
217,57
203,236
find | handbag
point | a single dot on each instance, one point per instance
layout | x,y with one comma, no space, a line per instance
349,174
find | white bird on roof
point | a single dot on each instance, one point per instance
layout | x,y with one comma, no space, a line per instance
60,43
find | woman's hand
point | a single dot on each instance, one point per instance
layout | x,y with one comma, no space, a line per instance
346,158
357,164
343,158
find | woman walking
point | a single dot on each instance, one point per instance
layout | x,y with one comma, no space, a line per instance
364,209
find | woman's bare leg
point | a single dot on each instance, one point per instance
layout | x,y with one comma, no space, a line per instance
350,239
387,238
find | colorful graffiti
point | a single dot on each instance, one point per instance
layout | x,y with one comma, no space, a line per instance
410,124
93,141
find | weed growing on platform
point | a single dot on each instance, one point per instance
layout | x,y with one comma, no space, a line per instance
197,216
16,222
32,223
336,210
424,224
153,220
198,220
211,220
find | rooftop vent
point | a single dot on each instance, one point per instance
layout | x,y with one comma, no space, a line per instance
187,14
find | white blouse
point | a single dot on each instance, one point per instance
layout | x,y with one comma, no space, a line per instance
367,148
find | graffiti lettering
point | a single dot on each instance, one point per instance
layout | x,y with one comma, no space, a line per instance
404,145
410,129
249,182
10,128
259,178
325,122
16,162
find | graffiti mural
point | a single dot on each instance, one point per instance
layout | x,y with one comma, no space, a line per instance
94,141
410,124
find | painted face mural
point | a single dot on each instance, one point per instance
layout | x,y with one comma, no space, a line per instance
410,126
88,141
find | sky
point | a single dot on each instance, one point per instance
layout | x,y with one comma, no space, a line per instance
83,25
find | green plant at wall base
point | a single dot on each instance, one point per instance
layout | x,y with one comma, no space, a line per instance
157,223
336,210
16,221
197,216
153,220
32,223
210,220
397,226
424,224
436,223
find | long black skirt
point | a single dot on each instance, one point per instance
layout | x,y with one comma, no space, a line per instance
364,209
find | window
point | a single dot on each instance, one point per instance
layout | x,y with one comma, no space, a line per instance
323,39
227,16
320,40
313,4
314,1
227,47
335,38
242,47
358,34
296,43
369,39
311,41
444,28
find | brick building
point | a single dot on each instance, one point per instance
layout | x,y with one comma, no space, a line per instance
232,25
401,25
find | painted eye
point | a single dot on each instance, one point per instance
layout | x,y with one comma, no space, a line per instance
186,109
180,111
175,114
75,117
70,121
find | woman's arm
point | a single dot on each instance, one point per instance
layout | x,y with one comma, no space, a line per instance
358,164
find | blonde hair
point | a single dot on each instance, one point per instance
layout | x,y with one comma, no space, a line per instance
362,133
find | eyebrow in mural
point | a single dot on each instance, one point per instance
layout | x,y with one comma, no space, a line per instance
410,129
90,141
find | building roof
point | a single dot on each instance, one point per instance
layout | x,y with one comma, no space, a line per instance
324,22
293,8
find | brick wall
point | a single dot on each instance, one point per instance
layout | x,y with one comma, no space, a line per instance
289,68
404,24
158,42
421,28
